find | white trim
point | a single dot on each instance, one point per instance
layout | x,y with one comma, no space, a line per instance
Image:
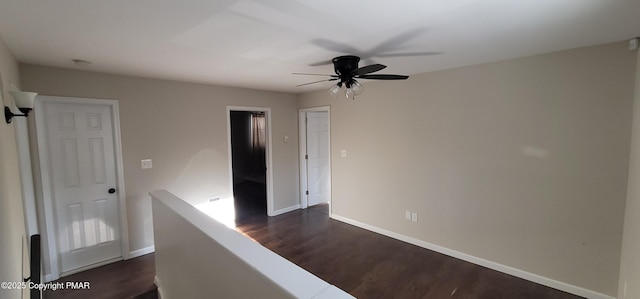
286,210
45,181
302,138
268,153
576,290
48,278
21,129
46,184
156,281
122,198
89,267
141,252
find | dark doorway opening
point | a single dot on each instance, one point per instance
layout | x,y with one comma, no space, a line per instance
248,149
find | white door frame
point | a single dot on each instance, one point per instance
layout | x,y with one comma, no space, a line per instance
268,152
47,183
302,139
26,177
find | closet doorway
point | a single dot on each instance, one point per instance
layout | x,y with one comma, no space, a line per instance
250,160
315,156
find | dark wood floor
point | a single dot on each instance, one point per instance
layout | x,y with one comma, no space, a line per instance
369,265
125,279
364,264
250,199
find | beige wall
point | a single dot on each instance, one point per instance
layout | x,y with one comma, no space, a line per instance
522,162
12,225
183,128
630,262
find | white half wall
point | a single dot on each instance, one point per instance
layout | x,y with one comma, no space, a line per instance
198,257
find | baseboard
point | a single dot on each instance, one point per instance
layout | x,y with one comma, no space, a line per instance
136,253
479,261
156,281
49,277
141,252
285,210
92,266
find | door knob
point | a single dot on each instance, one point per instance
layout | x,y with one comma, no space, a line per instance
112,190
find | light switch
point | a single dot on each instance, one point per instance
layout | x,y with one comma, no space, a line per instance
343,153
146,164
286,139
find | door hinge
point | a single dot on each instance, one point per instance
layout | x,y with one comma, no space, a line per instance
307,192
306,157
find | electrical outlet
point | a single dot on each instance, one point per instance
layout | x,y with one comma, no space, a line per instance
414,217
407,215
146,164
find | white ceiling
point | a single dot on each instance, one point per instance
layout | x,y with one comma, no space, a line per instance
258,44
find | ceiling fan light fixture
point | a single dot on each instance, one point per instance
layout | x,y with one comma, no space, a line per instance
353,89
349,94
357,88
334,90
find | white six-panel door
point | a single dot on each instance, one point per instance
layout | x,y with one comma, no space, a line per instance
80,142
318,168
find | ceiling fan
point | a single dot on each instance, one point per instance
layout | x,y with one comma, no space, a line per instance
347,71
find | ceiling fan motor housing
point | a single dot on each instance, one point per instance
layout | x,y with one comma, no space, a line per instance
345,65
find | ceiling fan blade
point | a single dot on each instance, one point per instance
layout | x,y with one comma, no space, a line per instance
383,77
369,69
326,80
407,54
320,63
334,46
396,43
307,74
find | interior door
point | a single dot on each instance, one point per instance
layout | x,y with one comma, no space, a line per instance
318,170
80,141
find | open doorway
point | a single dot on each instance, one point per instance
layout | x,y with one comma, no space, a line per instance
250,151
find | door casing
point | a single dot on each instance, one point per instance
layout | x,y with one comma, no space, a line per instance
46,185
